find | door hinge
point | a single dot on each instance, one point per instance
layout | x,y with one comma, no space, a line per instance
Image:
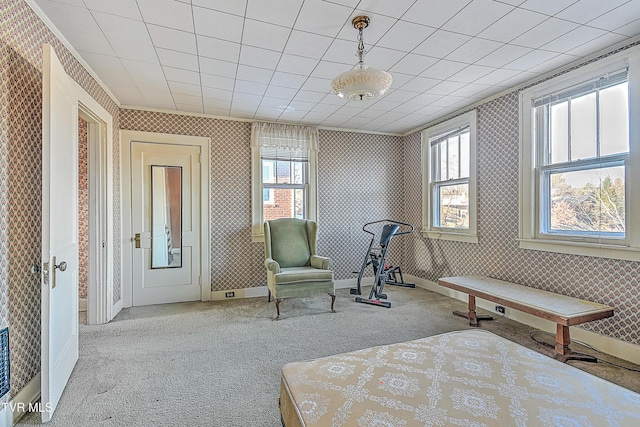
45,273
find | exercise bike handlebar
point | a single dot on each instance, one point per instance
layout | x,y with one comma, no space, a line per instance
400,233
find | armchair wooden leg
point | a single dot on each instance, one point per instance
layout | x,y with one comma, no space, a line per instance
268,295
333,300
278,300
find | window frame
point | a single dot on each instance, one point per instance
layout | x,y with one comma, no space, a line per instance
532,167
257,195
429,184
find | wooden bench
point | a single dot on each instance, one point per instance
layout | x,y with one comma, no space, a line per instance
564,310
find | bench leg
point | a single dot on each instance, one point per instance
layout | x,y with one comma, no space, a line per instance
471,314
563,352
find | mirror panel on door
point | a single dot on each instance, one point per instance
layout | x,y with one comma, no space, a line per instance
166,212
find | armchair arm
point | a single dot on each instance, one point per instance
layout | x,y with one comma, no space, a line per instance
272,265
320,262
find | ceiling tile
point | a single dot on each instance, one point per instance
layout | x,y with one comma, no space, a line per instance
512,25
226,27
631,29
473,50
383,58
129,95
476,16
167,13
280,92
306,44
405,36
441,43
169,38
407,108
289,80
471,73
413,64
547,7
139,52
184,76
573,39
544,33
308,96
443,69
171,58
86,42
253,88
116,27
124,8
109,68
236,7
65,16
217,67
185,89
302,105
296,64
425,99
618,17
272,102
189,108
333,17
400,95
187,99
329,70
218,49
145,74
584,11
554,63
470,90
597,44
342,51
217,94
531,60
317,85
217,82
265,35
445,88
259,57
395,8
280,12
434,13
503,55
254,74
497,77
419,84
158,98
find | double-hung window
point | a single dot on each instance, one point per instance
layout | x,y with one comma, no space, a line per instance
449,187
284,183
576,163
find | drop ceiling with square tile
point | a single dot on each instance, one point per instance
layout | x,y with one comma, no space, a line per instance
274,60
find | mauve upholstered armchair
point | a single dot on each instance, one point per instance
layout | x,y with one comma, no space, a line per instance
293,267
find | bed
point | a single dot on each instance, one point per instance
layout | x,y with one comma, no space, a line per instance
463,378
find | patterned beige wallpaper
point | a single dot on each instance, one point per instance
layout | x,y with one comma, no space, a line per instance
497,253
22,36
83,208
351,191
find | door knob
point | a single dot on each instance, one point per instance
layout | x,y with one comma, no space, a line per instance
62,266
137,239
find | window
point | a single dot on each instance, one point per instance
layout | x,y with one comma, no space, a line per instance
577,163
283,174
449,187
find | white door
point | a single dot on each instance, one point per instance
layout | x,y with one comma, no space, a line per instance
59,346
165,217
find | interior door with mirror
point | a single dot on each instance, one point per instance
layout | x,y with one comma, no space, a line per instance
165,190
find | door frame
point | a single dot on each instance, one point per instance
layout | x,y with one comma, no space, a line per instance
126,138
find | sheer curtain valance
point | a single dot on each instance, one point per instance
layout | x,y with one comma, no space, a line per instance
284,136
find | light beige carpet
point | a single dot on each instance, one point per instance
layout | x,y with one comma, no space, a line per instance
218,363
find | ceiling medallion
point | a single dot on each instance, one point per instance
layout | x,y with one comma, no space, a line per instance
361,83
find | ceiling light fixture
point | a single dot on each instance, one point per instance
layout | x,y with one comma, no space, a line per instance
361,83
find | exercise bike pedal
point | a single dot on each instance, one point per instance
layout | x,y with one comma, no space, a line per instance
382,296
354,291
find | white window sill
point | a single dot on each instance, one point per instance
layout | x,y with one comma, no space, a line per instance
450,235
581,248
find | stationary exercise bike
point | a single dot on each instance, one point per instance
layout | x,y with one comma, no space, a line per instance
376,257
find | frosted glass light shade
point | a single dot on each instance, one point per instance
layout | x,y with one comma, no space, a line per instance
361,84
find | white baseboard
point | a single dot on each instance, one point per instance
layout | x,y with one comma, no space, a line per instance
261,291
116,308
82,304
10,413
605,344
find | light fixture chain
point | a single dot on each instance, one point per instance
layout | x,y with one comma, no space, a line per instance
361,51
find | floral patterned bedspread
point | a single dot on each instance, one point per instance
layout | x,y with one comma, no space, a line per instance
464,378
